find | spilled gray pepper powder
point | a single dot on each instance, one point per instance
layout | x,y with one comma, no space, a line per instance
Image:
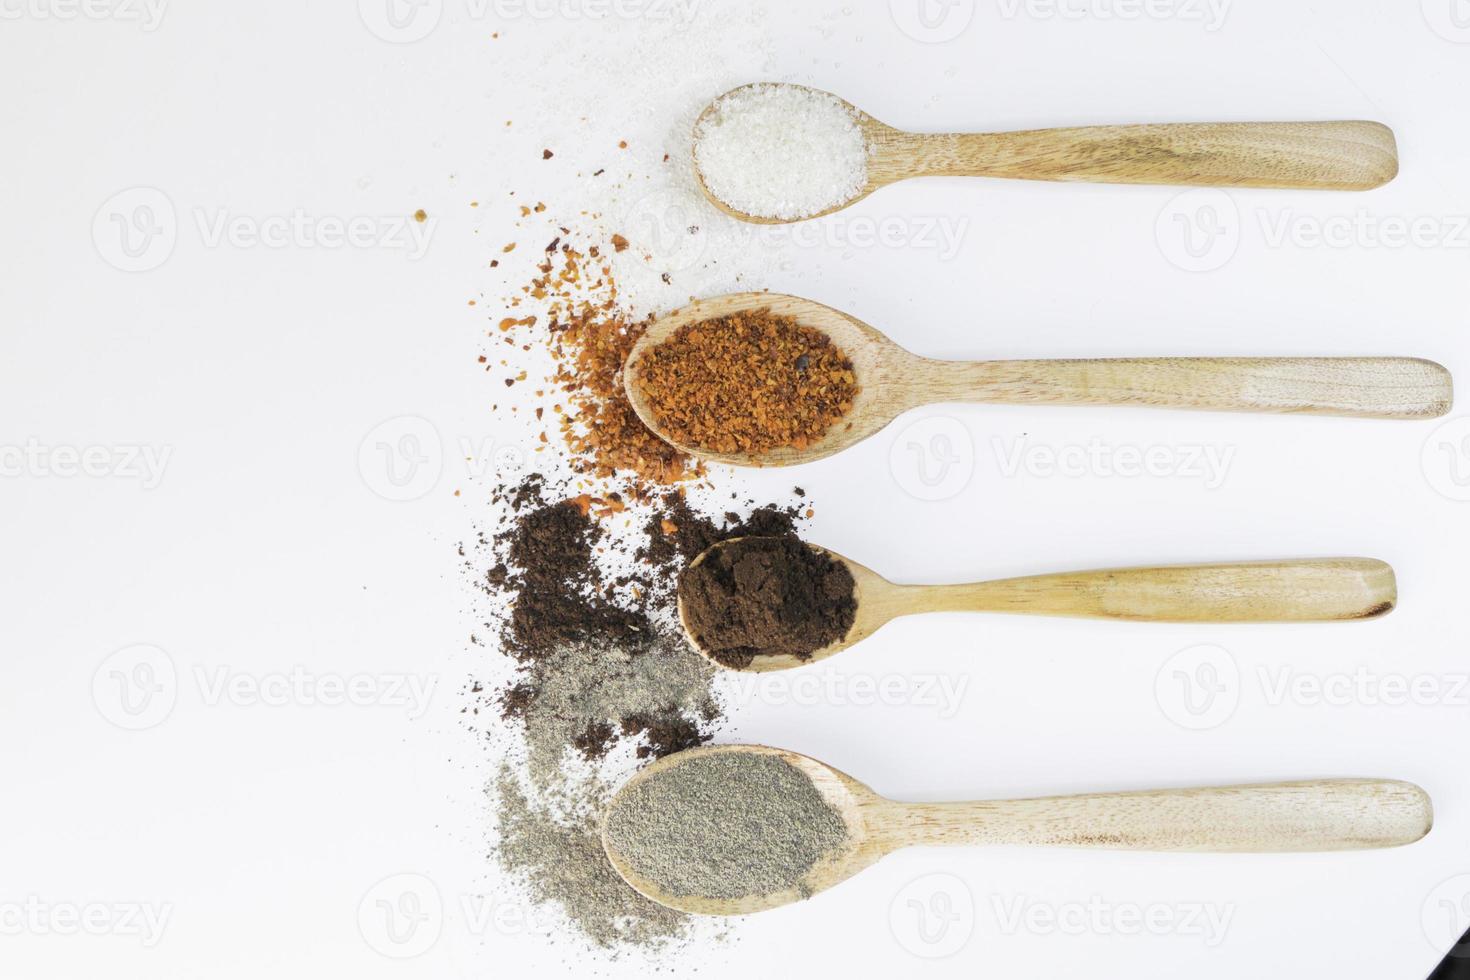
555,848
725,825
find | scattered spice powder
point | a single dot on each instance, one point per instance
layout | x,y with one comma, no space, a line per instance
589,336
566,581
555,850
589,617
605,647
747,383
581,572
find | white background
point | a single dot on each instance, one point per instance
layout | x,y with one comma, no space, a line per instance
267,546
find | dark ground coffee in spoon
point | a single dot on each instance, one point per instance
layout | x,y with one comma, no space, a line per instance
763,597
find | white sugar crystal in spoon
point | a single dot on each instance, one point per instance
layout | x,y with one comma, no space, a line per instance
781,151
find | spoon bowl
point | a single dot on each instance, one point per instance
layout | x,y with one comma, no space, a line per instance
892,381
850,799
1322,815
874,360
1302,590
877,136
1342,155
876,601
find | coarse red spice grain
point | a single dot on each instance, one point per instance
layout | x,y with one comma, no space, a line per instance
589,335
603,431
747,383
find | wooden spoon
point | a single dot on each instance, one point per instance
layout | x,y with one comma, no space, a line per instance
1321,815
893,380
1351,155
1300,591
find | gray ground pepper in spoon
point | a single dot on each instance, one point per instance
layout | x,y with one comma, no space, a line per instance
734,829
725,825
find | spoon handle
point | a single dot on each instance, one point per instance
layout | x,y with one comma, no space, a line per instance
1358,387
1351,155
1307,590
1324,815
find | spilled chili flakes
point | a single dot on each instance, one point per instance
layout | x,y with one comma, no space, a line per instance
589,336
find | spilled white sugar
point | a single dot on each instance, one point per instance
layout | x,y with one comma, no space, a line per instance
782,151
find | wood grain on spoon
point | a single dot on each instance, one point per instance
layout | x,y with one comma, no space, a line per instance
1304,590
1349,155
1320,815
893,380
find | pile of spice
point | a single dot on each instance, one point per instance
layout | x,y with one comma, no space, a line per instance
571,309
584,600
552,844
781,151
581,570
725,825
765,597
746,383
586,613
634,234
